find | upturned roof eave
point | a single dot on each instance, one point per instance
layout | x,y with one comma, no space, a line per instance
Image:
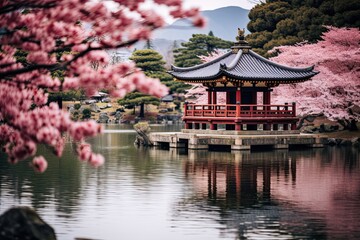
224,73
266,79
192,79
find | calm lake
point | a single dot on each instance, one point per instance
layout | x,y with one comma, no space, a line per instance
178,194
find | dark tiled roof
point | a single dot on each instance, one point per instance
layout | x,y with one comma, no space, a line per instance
245,65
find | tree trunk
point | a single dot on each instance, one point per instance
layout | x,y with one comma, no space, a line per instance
59,101
142,110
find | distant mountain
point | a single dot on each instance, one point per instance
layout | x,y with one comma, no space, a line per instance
223,22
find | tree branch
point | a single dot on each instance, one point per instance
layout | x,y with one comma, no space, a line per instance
22,5
15,72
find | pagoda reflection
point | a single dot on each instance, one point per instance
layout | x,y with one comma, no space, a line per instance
243,178
240,186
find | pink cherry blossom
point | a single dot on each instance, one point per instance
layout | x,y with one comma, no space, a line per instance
199,22
84,151
96,160
68,36
39,164
337,87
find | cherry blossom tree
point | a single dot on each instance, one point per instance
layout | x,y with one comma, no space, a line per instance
66,36
335,91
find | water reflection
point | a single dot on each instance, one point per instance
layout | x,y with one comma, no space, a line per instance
59,185
279,194
179,194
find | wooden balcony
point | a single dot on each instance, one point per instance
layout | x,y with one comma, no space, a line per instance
239,114
240,111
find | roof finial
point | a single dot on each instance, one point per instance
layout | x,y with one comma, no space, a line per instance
240,42
241,35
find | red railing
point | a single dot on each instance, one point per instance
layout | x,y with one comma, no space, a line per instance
240,110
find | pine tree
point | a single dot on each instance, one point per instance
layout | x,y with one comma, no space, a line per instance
198,45
152,64
286,22
148,44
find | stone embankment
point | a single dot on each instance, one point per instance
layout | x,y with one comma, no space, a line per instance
355,142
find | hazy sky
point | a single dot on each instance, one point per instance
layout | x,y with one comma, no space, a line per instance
202,4
213,4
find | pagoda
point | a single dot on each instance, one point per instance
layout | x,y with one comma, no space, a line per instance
245,77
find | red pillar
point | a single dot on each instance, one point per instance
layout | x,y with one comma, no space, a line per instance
227,97
294,108
209,96
238,102
214,100
293,125
238,95
266,101
266,98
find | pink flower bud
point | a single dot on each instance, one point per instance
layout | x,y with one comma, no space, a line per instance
199,22
39,164
96,160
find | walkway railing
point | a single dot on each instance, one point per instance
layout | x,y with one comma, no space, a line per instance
240,110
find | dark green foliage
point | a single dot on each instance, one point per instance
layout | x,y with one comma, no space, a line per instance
177,104
178,87
285,22
151,62
198,45
86,113
148,60
131,100
136,98
148,44
70,95
77,106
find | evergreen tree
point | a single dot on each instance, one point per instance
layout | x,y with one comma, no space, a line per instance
198,45
175,44
148,44
131,100
148,60
286,22
152,64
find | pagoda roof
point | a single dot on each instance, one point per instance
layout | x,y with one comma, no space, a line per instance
242,65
